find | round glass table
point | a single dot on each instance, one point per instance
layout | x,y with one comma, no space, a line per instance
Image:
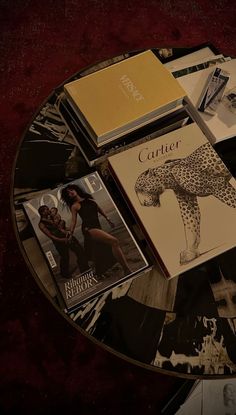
185,326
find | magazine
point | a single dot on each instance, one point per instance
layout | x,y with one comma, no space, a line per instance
87,244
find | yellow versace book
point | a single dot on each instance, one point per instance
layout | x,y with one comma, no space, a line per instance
123,97
183,196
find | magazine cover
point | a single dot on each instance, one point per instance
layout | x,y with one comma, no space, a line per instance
88,246
183,196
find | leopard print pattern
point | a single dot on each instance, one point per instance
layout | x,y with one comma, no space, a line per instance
200,174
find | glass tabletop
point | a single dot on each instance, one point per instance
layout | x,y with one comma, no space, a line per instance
185,326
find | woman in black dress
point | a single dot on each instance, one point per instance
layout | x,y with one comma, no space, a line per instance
85,206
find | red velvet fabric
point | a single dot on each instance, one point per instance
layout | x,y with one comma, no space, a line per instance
46,365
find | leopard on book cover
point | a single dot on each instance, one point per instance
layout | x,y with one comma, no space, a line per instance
182,175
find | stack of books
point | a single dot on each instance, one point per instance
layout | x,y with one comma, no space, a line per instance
124,97
121,104
141,125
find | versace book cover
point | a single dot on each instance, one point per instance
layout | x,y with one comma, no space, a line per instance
123,97
183,196
85,240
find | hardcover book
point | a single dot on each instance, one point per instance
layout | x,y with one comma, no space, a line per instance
123,97
95,156
85,240
222,124
183,196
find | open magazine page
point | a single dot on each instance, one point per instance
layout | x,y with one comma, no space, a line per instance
222,123
209,62
193,403
209,397
219,397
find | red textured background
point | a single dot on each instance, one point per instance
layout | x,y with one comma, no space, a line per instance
46,366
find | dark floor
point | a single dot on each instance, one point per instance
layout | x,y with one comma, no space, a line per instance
46,366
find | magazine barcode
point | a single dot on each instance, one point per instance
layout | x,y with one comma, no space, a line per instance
51,259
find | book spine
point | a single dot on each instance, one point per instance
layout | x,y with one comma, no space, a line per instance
81,117
150,243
